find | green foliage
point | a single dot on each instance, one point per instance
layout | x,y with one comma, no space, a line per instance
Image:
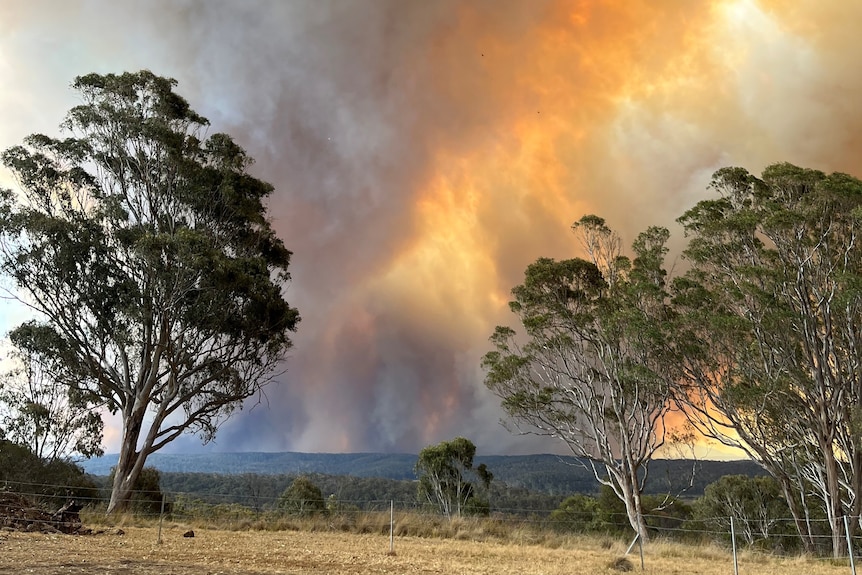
607,513
51,482
578,514
144,247
367,493
41,403
369,476
147,497
448,480
768,331
302,498
343,492
665,512
611,512
759,510
594,368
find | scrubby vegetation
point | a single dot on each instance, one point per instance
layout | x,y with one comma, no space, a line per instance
316,502
47,481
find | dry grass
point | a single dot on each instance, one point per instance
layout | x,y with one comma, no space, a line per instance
254,551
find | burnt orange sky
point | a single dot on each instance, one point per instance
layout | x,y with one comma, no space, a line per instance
424,153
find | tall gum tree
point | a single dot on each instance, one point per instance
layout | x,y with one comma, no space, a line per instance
591,367
143,246
770,332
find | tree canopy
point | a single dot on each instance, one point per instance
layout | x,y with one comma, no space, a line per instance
302,497
142,246
448,479
770,331
591,368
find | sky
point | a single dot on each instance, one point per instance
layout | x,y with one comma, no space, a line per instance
423,153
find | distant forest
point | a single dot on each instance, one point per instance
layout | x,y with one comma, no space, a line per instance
521,482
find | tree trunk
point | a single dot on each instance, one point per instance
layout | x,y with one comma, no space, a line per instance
634,510
856,493
636,518
129,466
800,515
834,508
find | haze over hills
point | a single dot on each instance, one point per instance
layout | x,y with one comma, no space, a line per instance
542,472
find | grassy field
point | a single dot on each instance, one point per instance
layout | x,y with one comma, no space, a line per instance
215,552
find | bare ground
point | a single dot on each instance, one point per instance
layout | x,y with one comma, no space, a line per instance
214,552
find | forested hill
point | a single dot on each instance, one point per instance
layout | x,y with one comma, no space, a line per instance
545,473
392,466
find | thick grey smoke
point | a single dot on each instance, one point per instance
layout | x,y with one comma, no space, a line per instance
424,152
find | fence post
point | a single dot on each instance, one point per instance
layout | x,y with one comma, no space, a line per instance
392,527
849,545
641,545
733,545
161,517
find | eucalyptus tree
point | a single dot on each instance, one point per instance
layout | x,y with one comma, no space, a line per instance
770,331
591,368
142,245
448,479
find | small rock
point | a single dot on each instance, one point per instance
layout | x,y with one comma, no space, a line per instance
189,533
120,532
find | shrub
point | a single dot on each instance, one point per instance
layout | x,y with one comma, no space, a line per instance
50,482
756,504
577,514
302,498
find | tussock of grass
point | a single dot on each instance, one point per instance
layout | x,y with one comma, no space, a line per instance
606,544
621,564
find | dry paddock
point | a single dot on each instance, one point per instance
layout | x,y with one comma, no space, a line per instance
212,552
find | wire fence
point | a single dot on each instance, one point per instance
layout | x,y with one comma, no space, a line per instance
41,506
